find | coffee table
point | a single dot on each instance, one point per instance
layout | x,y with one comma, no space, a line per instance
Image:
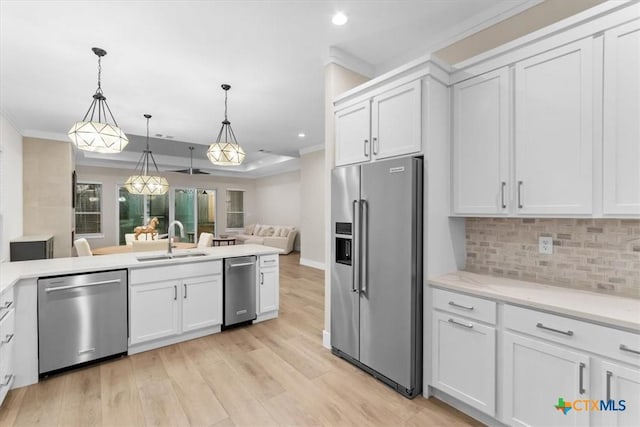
217,241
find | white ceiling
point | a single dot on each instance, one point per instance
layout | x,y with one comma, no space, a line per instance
169,58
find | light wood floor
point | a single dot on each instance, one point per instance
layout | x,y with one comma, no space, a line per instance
268,374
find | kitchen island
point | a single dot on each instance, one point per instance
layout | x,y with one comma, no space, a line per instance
170,299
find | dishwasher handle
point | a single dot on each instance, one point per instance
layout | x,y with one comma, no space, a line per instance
242,264
84,285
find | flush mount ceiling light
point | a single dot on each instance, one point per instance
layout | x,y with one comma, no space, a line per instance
143,183
301,135
226,152
97,134
339,19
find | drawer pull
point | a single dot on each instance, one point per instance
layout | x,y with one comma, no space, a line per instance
581,389
464,307
8,380
7,339
625,348
7,304
269,260
546,328
609,375
465,325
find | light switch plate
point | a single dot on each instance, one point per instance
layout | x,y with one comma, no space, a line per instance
545,245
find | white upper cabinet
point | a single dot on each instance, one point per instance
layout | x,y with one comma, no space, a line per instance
481,144
387,124
553,131
352,127
396,122
621,127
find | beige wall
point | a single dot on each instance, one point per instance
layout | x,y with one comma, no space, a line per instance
278,201
592,254
10,186
312,194
47,169
532,19
110,178
337,80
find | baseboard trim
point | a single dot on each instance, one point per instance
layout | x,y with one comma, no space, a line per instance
312,264
326,340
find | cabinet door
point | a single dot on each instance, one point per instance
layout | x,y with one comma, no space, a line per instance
396,125
153,311
352,134
464,360
481,144
7,335
553,131
621,166
201,302
620,383
537,377
268,290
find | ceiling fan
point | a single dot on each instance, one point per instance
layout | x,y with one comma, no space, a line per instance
191,170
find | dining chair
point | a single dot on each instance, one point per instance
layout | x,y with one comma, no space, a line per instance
82,247
205,240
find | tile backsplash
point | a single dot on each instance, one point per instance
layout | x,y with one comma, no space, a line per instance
600,255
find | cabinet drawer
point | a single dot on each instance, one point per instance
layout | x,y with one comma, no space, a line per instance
269,260
465,305
602,340
175,271
7,338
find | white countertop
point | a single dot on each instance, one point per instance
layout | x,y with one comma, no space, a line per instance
11,272
608,309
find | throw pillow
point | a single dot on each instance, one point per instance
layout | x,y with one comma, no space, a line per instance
266,231
276,231
256,229
249,229
284,232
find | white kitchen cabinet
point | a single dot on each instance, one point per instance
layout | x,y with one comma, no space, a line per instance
7,340
201,302
464,360
481,114
268,285
618,383
396,122
621,127
535,376
154,311
387,124
553,131
353,134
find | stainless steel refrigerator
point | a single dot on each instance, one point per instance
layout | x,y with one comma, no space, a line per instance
376,270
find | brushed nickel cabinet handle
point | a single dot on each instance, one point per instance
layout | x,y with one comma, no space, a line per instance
7,339
520,194
465,325
464,307
374,144
175,292
185,290
581,389
504,205
8,380
546,328
262,278
609,375
630,350
366,154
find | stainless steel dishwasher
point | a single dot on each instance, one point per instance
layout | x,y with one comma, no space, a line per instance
239,290
81,318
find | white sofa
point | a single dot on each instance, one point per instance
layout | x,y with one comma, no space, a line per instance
276,236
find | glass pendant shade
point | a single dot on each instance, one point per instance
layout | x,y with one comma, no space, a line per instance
99,135
226,151
143,182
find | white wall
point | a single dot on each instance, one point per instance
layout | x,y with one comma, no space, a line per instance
278,201
10,185
110,178
312,199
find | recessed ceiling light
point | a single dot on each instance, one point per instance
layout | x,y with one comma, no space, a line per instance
301,135
339,19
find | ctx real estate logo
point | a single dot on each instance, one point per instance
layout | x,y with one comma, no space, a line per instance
581,405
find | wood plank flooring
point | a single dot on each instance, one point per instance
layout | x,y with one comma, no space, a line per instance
274,373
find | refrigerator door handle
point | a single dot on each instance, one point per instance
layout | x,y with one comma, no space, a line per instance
355,268
364,248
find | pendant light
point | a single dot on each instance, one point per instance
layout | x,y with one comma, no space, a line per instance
97,134
227,152
143,183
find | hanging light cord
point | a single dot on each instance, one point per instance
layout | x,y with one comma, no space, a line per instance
226,124
143,163
98,101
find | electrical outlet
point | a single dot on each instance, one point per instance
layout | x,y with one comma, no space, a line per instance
545,245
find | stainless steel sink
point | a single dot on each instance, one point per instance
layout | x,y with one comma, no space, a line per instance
160,257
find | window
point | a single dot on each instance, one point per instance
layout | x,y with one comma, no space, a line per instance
196,210
135,210
88,208
235,208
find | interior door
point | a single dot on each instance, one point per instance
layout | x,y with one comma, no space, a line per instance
390,210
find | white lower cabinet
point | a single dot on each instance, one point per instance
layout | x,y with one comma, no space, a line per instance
268,285
7,335
464,360
620,386
167,302
537,376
